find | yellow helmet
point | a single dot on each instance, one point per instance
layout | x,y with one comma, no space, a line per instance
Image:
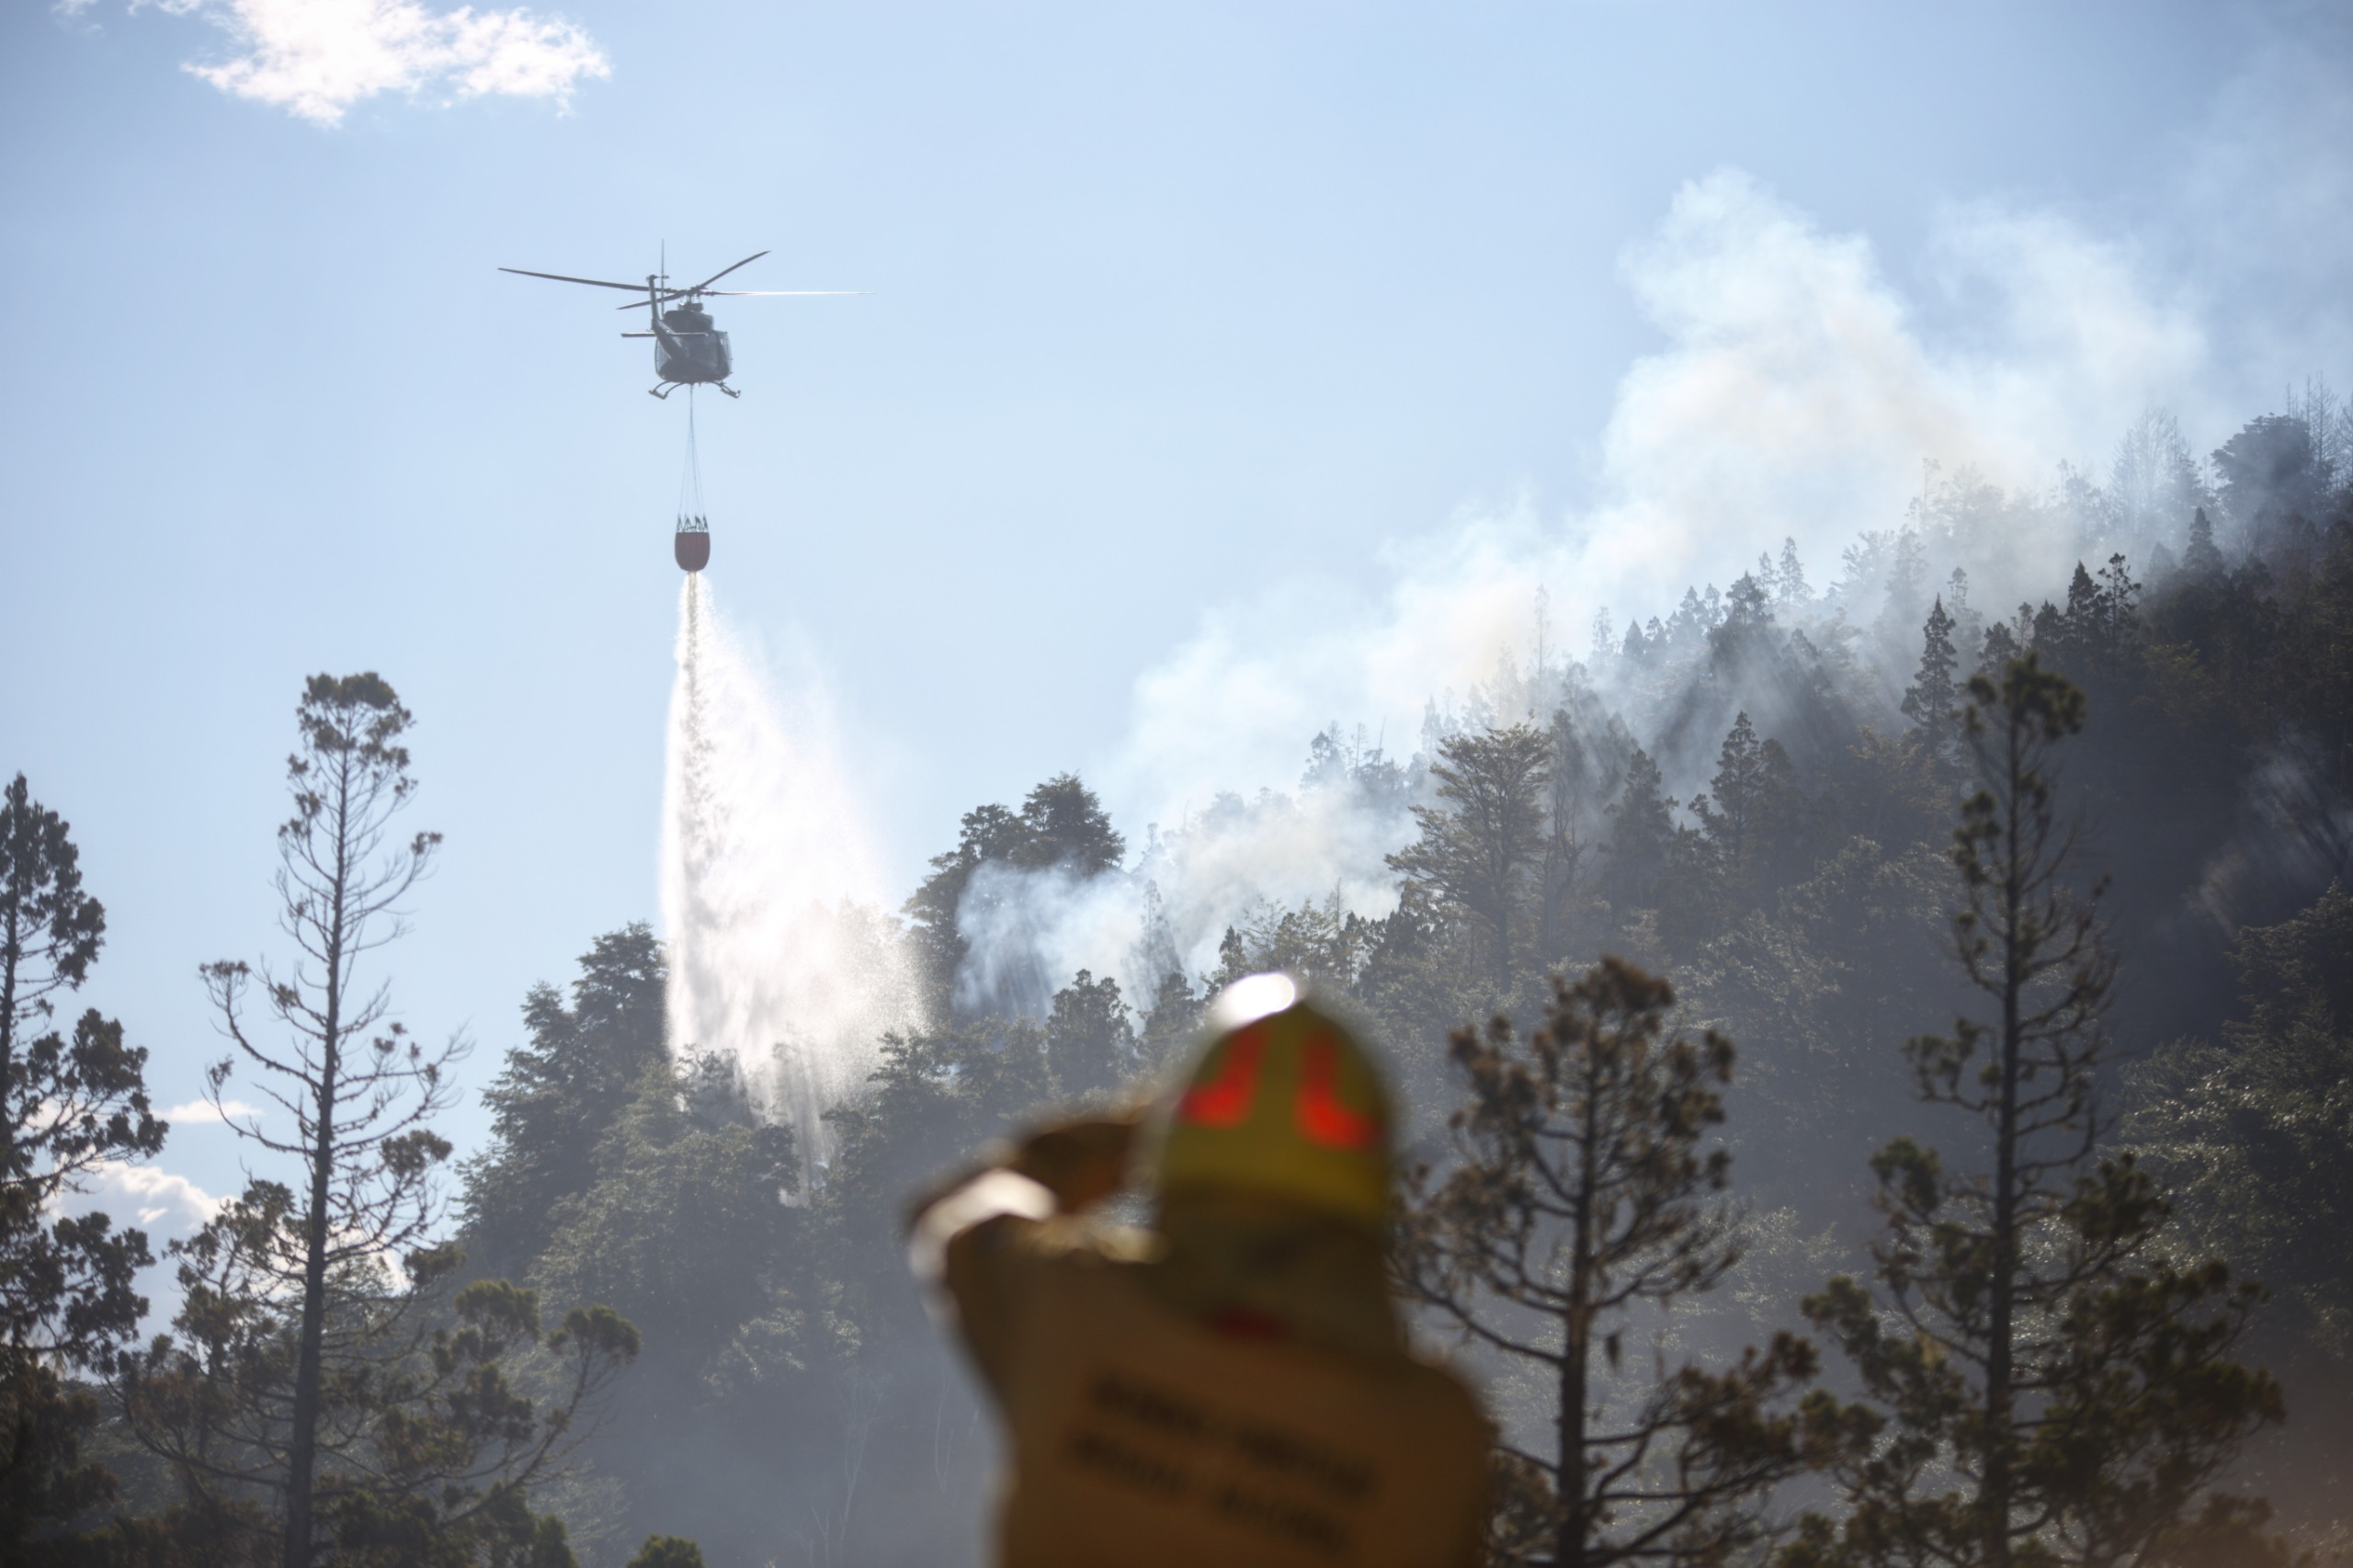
1283,1101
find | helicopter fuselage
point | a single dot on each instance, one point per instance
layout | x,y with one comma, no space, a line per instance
687,348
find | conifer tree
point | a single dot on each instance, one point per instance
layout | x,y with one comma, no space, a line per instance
1792,591
69,1101
1585,1190
1749,772
2052,1386
1170,1025
360,1115
1929,700
2118,599
1640,828
49,930
322,1363
2201,558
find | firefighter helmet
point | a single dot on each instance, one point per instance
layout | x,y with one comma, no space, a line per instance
1283,1101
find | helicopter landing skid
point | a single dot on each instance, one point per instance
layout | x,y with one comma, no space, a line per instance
662,391
730,391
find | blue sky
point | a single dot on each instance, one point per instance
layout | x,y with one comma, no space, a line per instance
1190,330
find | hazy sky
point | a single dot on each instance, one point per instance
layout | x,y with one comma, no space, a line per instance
1201,339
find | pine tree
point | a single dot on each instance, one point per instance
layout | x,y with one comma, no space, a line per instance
1584,1191
2201,558
1929,700
2051,1387
2112,619
322,1357
1640,827
1170,1025
69,1102
1792,587
362,1143
1750,801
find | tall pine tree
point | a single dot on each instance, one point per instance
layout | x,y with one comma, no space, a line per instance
2052,1386
1929,700
1585,1192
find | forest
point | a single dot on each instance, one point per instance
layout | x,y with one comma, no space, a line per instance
1989,937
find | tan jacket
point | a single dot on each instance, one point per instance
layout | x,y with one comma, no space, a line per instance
1241,1397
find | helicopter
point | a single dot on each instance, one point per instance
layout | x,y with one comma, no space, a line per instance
689,351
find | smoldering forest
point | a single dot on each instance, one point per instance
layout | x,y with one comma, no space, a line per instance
1750,791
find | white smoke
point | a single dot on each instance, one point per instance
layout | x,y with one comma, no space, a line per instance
1236,864
1799,395
770,895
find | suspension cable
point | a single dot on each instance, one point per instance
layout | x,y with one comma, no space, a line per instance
691,480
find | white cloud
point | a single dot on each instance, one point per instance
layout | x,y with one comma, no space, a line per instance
193,1112
165,1204
316,58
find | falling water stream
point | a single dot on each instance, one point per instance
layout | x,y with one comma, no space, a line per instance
779,955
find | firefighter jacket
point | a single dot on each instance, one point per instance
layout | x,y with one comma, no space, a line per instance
1233,1390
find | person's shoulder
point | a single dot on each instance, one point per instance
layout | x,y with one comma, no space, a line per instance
1445,1394
1064,1245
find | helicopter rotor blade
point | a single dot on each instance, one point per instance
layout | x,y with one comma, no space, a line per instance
724,271
738,294
559,277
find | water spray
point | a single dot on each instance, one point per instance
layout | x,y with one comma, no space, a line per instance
771,902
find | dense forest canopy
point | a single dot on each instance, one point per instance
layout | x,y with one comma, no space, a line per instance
1747,802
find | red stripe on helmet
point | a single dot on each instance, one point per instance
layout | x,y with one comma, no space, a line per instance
1225,1101
1322,1117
